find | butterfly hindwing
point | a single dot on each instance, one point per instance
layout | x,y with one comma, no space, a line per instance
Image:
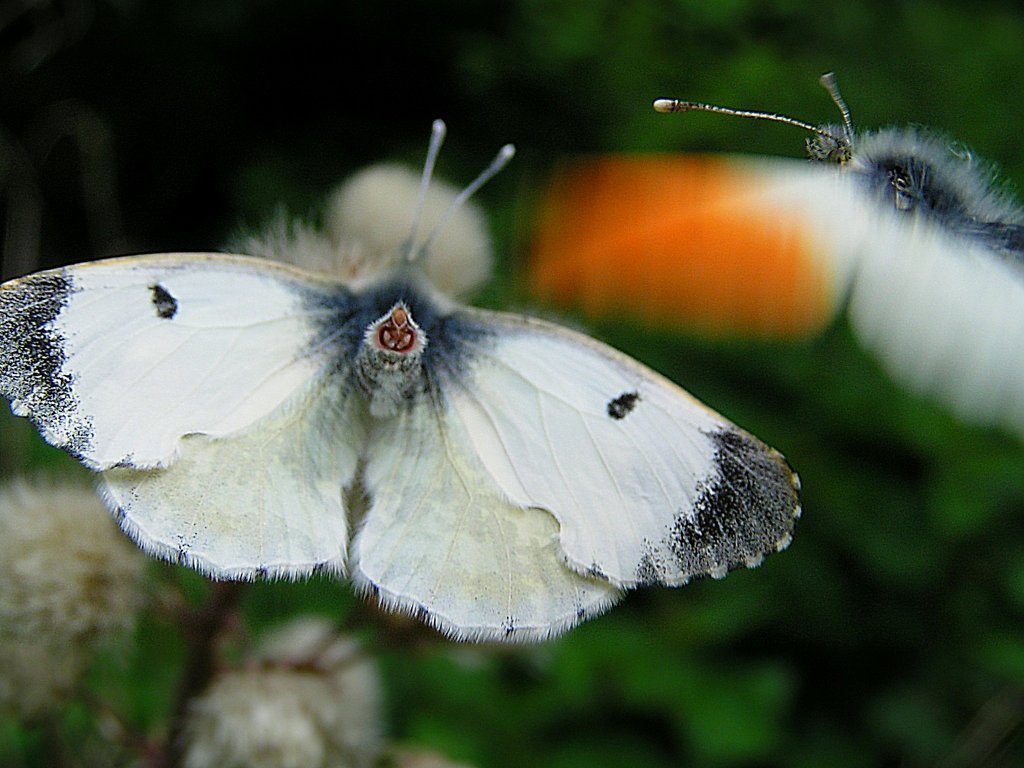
266,502
116,360
441,540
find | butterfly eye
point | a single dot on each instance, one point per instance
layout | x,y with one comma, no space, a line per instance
903,187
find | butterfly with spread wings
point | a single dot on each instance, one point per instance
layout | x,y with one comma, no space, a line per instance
499,476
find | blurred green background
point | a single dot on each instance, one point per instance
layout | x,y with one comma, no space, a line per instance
892,630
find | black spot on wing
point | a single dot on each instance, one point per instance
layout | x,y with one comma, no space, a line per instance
623,405
745,511
165,304
32,358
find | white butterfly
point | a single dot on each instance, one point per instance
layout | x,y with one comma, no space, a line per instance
931,263
499,476
898,227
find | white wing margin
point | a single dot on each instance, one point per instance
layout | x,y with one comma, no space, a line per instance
116,360
646,483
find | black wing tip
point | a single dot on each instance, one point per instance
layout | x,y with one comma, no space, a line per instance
748,509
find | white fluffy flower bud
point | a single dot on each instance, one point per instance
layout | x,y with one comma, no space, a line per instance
374,210
407,757
69,581
310,699
367,223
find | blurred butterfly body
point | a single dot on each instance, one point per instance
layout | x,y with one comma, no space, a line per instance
498,476
905,233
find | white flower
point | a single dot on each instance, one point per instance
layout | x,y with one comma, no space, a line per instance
407,757
375,207
367,224
69,581
310,699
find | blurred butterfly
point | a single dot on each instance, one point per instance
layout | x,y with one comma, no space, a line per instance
898,227
498,476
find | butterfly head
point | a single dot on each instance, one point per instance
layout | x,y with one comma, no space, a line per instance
831,145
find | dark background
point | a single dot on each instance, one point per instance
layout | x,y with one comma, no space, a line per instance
891,632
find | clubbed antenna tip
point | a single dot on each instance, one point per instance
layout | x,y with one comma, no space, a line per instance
437,134
670,105
505,154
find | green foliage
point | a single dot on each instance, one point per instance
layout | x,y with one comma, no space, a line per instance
892,630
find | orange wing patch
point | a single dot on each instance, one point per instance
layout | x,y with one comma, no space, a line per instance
681,242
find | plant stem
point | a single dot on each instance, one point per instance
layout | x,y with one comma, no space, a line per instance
200,628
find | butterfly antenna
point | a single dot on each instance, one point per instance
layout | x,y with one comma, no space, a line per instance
505,154
437,133
828,82
675,105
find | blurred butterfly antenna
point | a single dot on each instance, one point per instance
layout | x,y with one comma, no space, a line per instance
504,156
829,83
835,147
437,133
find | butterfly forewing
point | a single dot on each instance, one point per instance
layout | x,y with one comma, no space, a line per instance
646,483
116,360
720,244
